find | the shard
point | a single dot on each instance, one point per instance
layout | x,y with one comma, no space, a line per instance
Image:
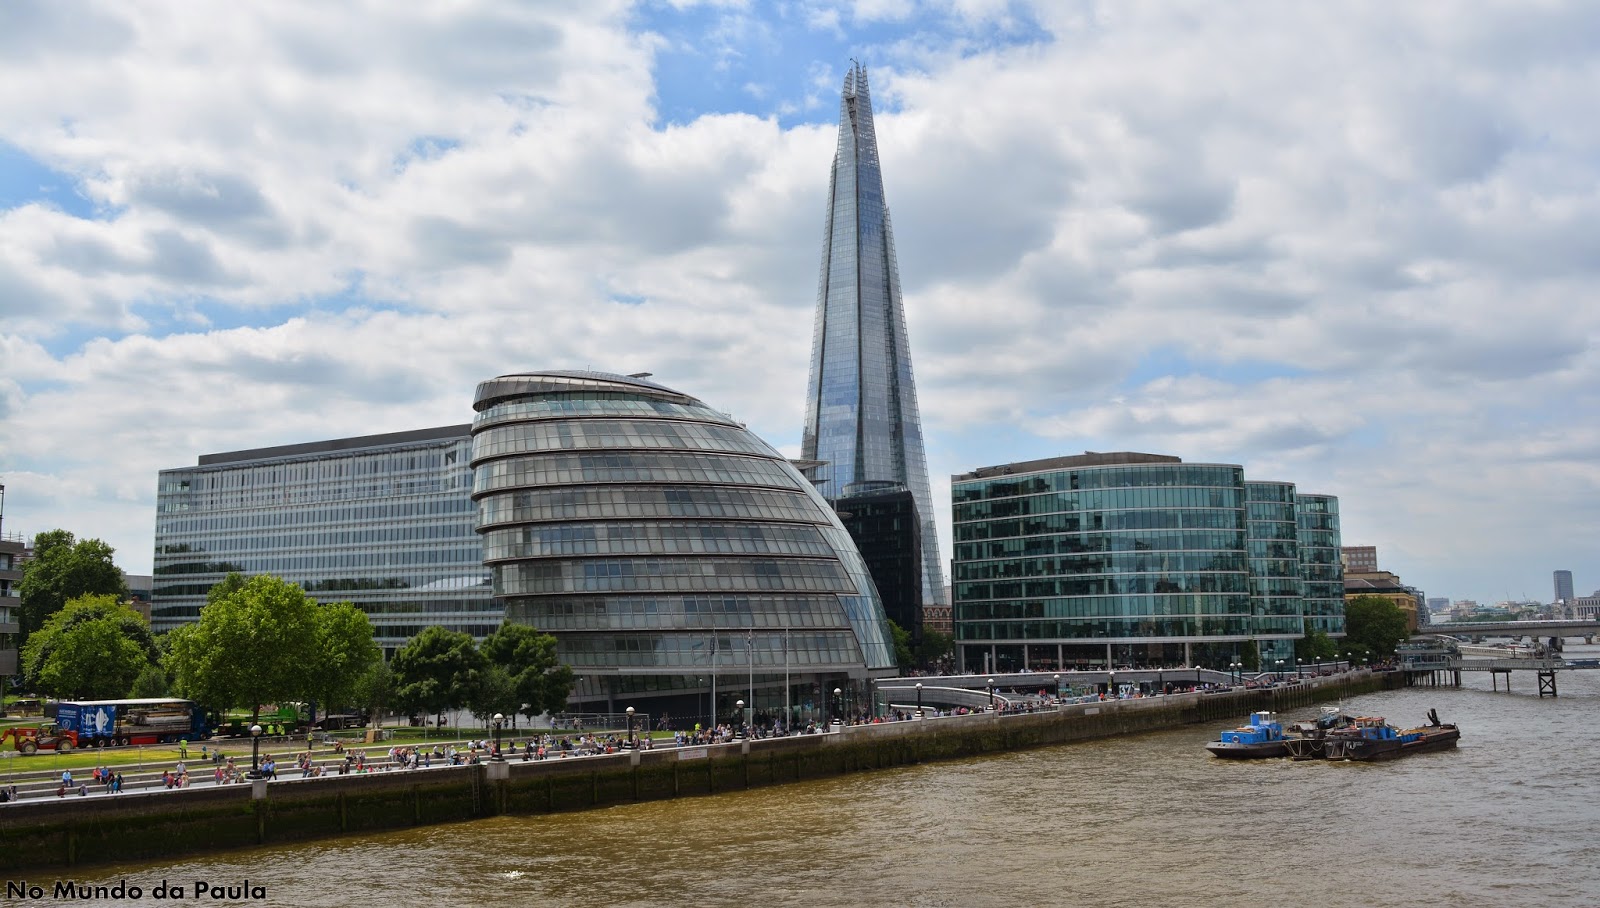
861,405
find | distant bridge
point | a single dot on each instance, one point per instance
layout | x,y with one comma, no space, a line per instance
1559,627
1433,655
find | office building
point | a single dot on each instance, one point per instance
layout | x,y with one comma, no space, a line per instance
13,551
862,422
681,562
382,521
1387,585
884,527
1321,570
1564,593
1127,559
1360,559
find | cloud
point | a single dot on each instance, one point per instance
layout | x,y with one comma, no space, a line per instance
1352,248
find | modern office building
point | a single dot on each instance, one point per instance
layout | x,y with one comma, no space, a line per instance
1126,559
382,521
885,529
681,562
1276,589
862,422
1564,593
12,549
1321,570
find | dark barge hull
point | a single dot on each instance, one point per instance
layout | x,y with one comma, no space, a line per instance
1261,751
1441,738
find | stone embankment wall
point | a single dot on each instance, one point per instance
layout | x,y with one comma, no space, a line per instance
163,824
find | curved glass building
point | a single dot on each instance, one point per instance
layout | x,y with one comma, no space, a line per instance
680,561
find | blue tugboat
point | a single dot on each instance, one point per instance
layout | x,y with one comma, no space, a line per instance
1262,738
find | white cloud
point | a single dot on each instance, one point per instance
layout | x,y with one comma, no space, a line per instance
1360,240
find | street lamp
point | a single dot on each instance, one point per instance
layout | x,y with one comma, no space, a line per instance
838,703
919,699
255,751
1278,676
1111,684
1236,671
499,720
1298,672
1057,679
739,705
1161,686
991,695
631,742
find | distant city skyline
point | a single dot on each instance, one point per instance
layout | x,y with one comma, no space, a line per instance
1281,235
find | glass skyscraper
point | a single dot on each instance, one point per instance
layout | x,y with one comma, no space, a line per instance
382,521
680,561
861,405
1134,559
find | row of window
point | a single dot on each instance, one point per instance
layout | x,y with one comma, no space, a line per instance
530,438
1084,564
1105,500
431,509
1079,543
1094,607
1100,521
1128,584
526,578
610,502
526,409
410,535
1102,629
566,540
1162,476
683,611
800,652
630,466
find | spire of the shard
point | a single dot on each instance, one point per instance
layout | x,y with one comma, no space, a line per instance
861,408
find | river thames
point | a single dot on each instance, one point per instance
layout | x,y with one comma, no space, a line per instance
1507,819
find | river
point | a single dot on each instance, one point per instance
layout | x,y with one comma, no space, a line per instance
1507,819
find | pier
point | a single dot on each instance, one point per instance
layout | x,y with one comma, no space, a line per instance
1436,659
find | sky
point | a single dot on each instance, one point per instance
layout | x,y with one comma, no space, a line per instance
1350,245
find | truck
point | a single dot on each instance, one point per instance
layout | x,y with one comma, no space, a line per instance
32,739
99,723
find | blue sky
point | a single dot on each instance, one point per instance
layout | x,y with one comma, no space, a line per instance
1348,247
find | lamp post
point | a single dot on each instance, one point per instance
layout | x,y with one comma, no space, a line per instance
991,695
1236,671
1057,680
499,720
255,751
1161,686
1298,672
631,742
838,702
739,705
1278,675
1111,684
919,699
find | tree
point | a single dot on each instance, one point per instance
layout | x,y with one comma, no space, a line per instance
253,644
344,653
935,648
1374,626
375,689
540,681
496,692
92,649
64,568
1315,646
902,646
437,670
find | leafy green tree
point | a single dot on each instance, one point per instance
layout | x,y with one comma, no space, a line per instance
902,646
1374,626
92,649
252,645
375,689
153,681
496,692
539,679
936,647
64,568
344,653
1316,646
437,670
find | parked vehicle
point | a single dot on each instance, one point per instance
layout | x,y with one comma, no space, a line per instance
98,723
32,739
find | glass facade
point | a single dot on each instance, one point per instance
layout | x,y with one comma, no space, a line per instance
1321,570
884,527
385,522
1134,559
678,559
862,422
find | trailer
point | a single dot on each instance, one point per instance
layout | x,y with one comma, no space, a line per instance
99,723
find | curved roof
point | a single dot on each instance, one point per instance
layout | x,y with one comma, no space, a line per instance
557,381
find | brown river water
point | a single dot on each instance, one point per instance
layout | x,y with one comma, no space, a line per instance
1510,818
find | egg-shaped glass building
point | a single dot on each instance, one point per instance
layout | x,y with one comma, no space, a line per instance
681,562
